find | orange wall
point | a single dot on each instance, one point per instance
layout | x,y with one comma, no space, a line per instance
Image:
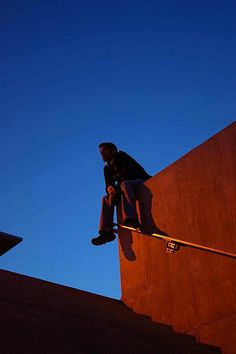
193,199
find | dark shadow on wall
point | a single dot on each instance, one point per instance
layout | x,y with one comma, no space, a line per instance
126,240
144,201
125,237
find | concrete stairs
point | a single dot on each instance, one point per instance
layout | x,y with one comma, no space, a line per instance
38,316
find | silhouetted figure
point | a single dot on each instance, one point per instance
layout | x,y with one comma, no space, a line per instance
122,176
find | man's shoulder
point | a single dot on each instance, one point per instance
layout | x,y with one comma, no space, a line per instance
123,154
120,152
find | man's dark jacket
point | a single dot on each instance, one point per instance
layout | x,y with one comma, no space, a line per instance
123,167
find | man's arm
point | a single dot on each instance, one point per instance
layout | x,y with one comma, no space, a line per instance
133,165
109,178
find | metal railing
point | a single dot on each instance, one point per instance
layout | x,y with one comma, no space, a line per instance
173,244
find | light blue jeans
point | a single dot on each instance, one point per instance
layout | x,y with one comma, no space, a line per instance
127,197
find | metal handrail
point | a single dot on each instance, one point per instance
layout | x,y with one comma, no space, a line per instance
181,242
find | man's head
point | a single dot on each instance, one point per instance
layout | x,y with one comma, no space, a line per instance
108,151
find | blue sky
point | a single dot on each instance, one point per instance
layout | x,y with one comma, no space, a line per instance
157,78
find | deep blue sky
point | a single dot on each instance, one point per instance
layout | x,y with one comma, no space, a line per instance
155,77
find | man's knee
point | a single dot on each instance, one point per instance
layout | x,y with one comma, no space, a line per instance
129,183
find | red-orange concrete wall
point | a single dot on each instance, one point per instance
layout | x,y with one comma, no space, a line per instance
193,199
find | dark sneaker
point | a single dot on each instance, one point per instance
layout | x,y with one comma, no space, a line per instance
132,222
104,237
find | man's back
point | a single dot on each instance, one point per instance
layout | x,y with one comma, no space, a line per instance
123,167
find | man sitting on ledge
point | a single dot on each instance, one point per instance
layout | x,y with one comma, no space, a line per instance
122,176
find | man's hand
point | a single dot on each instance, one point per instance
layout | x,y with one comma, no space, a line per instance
111,191
112,194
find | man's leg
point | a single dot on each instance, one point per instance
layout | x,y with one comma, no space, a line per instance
106,233
107,214
128,198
